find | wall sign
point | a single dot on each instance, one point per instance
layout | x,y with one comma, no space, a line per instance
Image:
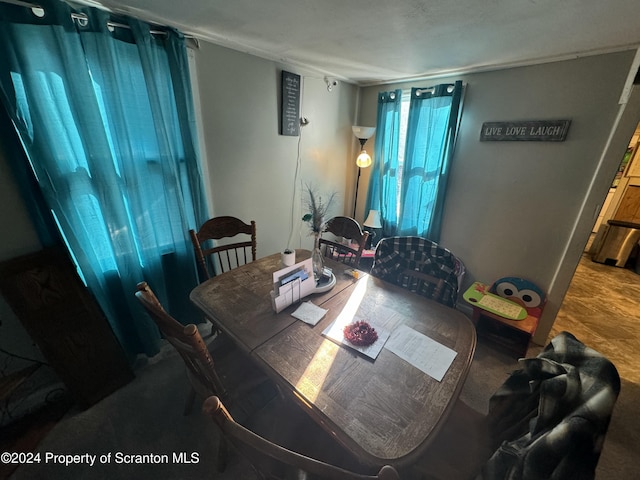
290,117
526,131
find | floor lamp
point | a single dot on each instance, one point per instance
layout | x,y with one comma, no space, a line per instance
364,160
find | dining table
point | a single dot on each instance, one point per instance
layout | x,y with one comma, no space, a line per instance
384,406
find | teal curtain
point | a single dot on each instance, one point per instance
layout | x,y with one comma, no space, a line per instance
431,133
104,111
21,174
382,194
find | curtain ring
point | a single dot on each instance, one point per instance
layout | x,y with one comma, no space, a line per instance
82,20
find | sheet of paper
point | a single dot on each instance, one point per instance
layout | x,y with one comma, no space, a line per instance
422,352
309,313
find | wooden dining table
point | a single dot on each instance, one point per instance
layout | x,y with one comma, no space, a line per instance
384,410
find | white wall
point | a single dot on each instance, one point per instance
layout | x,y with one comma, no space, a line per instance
516,208
252,168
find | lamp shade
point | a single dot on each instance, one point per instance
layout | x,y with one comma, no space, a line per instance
373,220
363,132
363,160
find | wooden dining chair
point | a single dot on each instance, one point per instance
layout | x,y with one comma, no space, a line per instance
273,461
345,228
217,258
421,283
232,375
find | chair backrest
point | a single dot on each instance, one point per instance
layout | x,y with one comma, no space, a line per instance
274,461
460,271
397,257
346,228
186,339
422,283
212,259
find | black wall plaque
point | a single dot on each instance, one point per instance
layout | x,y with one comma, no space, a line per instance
526,131
290,119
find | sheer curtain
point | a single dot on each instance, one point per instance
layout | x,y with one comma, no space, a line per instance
431,133
104,111
382,194
409,192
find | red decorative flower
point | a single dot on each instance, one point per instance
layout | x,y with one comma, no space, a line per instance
360,334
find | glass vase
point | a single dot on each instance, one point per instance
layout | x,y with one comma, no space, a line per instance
317,259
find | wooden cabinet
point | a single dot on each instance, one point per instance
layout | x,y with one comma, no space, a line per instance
62,317
629,207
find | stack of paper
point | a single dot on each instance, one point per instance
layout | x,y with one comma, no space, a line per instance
291,284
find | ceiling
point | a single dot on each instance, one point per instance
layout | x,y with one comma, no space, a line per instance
378,41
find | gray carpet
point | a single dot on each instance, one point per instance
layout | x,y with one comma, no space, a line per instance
146,417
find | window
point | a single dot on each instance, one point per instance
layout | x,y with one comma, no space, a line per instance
402,140
414,144
105,118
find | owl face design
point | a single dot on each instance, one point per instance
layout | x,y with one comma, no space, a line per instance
521,291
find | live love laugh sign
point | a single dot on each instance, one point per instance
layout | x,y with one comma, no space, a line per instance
526,131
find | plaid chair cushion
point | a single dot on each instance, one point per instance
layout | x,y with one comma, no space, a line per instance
395,254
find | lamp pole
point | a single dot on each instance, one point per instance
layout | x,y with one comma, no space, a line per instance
355,200
363,160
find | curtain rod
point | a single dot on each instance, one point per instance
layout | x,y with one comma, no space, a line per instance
420,91
81,17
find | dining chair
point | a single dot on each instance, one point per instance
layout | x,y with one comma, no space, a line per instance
217,258
233,374
548,419
421,283
346,229
420,265
271,460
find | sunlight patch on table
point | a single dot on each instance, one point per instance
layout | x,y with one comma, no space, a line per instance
314,376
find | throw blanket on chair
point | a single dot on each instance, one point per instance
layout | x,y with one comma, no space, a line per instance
553,414
395,254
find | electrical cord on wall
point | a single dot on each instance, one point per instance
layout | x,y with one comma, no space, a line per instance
295,189
303,122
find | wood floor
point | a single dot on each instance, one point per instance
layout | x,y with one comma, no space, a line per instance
602,309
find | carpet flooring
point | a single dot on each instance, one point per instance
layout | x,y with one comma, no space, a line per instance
145,417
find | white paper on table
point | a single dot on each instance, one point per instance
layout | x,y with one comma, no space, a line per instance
309,313
422,352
